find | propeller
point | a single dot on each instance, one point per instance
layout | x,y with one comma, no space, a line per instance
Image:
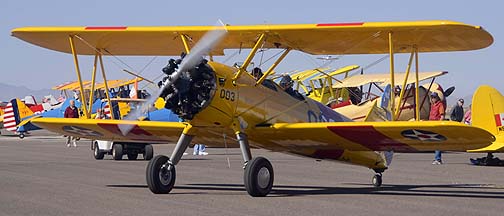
202,48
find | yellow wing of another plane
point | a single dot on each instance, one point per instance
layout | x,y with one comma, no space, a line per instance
384,79
117,83
71,85
319,39
303,75
345,69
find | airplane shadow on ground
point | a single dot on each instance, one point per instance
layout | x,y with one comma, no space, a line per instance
449,190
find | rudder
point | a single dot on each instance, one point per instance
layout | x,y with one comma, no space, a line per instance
15,111
488,113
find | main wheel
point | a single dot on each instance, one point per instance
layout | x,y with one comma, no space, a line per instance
258,177
160,175
117,151
377,180
148,152
97,154
132,156
21,135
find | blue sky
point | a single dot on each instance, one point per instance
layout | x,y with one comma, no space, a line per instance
37,68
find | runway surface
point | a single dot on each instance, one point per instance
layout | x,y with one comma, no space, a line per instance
40,176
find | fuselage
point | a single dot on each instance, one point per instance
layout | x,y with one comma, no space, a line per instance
247,106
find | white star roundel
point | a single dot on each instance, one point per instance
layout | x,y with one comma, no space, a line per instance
81,131
423,135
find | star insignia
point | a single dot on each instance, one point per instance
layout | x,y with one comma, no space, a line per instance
81,131
423,135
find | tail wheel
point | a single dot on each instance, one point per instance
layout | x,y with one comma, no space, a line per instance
132,156
160,175
148,152
97,154
258,177
117,151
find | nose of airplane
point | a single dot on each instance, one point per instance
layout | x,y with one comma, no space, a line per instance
192,91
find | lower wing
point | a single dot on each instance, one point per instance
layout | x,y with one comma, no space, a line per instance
374,136
99,129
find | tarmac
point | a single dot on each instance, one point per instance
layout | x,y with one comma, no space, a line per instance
39,175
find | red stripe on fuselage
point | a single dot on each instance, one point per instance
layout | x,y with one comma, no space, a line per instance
341,24
106,28
369,137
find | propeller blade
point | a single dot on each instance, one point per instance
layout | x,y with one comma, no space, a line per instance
201,49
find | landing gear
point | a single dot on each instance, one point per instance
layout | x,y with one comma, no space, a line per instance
21,135
160,175
377,180
258,177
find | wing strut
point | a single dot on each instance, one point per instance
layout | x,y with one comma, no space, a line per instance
273,66
403,89
417,96
392,84
77,70
250,56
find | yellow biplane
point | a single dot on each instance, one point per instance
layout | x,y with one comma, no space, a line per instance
260,113
405,105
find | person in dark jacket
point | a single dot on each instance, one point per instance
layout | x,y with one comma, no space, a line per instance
71,112
457,113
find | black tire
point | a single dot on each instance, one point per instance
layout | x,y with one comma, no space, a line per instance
98,155
21,135
377,180
160,182
148,152
132,156
117,152
258,177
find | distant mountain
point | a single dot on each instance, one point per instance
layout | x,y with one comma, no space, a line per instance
8,92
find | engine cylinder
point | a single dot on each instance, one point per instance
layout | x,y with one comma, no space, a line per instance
192,92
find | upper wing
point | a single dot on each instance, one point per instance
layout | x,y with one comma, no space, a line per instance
338,71
376,136
320,39
74,85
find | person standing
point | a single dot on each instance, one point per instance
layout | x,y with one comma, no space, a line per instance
467,116
71,112
457,113
437,113
199,149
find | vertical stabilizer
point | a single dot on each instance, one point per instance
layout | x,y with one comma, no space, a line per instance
15,111
488,113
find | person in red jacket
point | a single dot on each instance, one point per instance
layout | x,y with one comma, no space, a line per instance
437,113
71,112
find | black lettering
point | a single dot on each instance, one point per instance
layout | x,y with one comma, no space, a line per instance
222,93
